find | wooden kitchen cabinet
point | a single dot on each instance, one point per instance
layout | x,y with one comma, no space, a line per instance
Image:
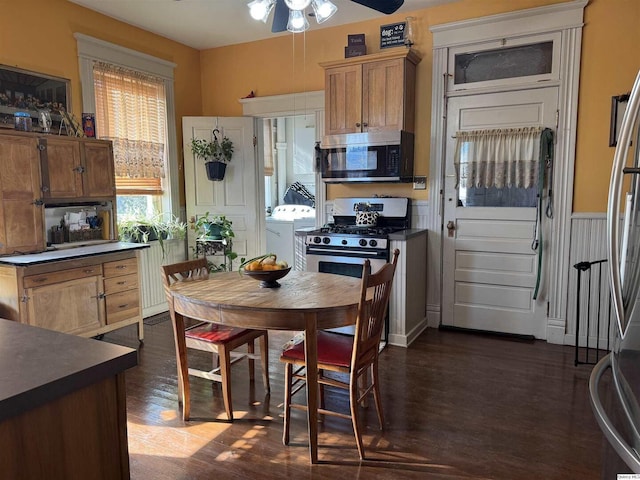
343,99
371,93
72,306
76,169
38,170
84,296
121,290
21,210
97,160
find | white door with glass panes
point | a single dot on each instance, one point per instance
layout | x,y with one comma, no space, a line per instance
237,196
489,266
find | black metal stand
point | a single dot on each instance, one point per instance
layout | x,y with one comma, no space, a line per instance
586,267
212,248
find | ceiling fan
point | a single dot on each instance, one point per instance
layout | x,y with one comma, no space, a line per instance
281,14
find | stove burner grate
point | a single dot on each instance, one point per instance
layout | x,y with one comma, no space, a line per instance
355,230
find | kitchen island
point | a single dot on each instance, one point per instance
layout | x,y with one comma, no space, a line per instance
86,290
62,405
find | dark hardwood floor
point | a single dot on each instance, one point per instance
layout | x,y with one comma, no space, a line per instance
457,406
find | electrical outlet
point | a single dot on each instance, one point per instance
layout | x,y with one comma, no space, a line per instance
419,183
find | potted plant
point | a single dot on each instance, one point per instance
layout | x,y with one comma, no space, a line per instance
215,154
143,229
214,228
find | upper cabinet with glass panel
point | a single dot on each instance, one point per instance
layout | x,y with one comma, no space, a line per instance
510,62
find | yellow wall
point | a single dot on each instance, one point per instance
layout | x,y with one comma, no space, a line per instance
610,62
289,64
37,35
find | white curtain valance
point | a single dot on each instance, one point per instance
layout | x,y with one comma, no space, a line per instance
498,158
137,158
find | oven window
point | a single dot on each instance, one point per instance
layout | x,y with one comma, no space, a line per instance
345,269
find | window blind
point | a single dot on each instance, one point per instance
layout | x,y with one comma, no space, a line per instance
131,112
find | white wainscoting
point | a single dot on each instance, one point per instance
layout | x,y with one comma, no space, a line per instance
153,296
588,244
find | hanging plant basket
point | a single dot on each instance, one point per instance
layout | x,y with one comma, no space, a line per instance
215,170
216,154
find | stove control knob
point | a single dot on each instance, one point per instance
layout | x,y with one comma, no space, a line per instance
373,243
344,241
326,240
317,239
363,242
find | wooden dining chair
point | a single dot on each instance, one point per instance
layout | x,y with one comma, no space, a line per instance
220,340
353,355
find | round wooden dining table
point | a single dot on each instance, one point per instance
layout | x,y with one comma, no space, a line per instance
305,301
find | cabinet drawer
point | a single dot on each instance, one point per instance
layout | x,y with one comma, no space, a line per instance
122,306
61,276
120,267
121,284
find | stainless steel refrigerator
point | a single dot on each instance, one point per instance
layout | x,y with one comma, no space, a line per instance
615,381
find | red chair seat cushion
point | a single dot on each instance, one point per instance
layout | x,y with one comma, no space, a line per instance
214,333
333,349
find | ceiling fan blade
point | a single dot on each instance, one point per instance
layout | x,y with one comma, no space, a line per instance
280,17
383,6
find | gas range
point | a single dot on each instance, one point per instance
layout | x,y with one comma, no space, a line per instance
344,235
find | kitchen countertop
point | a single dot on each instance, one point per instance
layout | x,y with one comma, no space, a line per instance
40,366
404,235
67,253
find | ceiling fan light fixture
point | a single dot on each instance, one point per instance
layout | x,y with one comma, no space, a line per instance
297,21
260,9
297,4
324,10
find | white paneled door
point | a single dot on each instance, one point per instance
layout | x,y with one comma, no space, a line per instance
489,267
237,196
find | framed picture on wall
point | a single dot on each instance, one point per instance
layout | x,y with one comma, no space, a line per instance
618,106
33,92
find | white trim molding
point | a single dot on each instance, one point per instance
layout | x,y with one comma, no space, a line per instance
305,103
283,105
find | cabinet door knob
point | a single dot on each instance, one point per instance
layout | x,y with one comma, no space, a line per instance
358,125
365,124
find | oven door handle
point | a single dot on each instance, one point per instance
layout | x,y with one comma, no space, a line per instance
327,251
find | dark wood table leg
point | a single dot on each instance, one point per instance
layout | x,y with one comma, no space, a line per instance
311,359
181,363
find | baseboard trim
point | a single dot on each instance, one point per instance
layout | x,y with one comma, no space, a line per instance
406,340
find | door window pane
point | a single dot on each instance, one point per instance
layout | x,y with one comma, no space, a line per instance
509,62
497,197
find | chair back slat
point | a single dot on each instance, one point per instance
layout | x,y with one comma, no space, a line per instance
188,270
372,311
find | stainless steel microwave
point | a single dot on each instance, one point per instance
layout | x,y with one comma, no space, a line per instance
368,157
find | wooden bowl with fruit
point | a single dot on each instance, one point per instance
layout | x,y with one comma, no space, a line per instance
267,269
